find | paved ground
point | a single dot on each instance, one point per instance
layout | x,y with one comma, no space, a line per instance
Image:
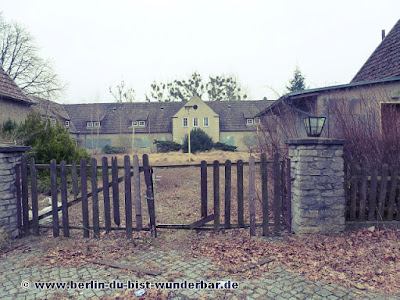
276,284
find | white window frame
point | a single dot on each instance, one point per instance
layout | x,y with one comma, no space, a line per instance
185,120
194,122
257,121
142,123
66,123
135,123
96,124
249,121
206,124
89,123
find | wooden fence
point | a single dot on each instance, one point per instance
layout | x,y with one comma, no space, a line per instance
372,194
80,175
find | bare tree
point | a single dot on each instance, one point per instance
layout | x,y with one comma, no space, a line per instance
19,58
122,93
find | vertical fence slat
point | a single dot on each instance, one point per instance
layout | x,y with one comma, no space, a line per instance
19,200
353,191
64,198
288,197
115,189
228,181
136,190
54,201
264,193
392,195
95,199
74,178
25,200
150,194
128,196
363,194
216,195
277,194
252,196
203,189
240,205
372,195
106,193
84,192
35,203
382,192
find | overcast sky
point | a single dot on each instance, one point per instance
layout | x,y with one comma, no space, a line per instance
95,44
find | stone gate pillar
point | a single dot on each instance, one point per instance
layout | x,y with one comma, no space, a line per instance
318,195
10,155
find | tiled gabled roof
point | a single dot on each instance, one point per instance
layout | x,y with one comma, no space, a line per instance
384,61
158,115
10,90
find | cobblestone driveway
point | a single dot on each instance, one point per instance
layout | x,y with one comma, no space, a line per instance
276,284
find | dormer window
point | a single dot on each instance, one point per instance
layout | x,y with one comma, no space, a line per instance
67,123
89,124
96,124
142,123
135,123
257,121
249,121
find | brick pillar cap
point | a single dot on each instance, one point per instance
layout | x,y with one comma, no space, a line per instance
316,141
12,148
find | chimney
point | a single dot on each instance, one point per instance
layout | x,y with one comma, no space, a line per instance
383,34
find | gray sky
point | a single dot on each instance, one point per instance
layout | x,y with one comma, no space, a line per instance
95,43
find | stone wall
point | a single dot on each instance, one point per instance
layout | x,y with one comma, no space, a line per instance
9,157
318,196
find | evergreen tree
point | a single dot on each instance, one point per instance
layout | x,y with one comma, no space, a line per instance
297,83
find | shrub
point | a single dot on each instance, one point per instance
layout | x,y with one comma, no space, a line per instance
108,149
224,147
199,141
167,146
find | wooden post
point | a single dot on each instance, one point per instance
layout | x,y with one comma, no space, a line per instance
74,177
264,192
136,190
393,186
382,192
228,180
277,194
150,194
95,199
54,201
85,205
35,203
252,196
363,194
216,195
372,195
128,197
240,205
106,194
64,198
353,191
115,189
203,189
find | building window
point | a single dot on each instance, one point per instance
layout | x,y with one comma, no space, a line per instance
185,122
67,123
195,122
53,121
142,123
89,124
205,122
257,121
135,123
249,121
96,124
